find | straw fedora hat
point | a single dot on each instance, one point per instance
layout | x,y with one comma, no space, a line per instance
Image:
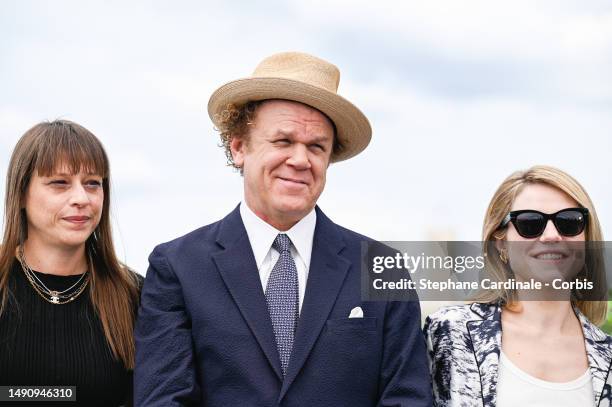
301,78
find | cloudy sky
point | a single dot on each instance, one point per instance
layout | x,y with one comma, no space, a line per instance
459,94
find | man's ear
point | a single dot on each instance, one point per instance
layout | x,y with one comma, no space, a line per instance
238,146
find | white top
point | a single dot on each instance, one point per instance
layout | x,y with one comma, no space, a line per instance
517,388
261,236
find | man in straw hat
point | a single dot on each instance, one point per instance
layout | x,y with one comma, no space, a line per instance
264,308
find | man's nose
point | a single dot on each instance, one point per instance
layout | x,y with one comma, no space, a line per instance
299,157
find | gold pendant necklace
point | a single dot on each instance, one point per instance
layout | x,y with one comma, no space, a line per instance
53,296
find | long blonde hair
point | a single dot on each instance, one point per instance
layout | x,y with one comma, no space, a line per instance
500,206
114,289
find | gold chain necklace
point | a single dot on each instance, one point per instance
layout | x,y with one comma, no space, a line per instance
52,296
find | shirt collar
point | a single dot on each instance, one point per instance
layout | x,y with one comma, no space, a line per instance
261,234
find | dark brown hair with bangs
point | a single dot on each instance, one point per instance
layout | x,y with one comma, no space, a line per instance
62,145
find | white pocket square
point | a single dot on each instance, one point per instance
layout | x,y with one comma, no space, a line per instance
356,312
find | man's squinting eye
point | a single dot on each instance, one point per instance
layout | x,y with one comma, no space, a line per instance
318,147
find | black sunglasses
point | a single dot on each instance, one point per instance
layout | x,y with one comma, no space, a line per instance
530,223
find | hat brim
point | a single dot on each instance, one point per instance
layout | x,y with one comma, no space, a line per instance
353,129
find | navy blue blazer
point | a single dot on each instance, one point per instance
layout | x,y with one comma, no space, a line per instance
204,335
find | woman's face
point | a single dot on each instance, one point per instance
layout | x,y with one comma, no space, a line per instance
63,209
551,255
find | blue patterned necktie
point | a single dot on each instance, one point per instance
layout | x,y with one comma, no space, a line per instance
282,299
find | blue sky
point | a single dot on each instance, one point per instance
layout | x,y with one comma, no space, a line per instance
460,94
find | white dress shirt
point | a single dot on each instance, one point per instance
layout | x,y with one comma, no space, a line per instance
261,236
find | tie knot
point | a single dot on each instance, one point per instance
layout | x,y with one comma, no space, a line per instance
282,243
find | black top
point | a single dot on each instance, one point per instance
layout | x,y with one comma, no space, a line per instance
44,344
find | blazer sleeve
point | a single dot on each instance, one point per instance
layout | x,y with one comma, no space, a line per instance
164,374
405,378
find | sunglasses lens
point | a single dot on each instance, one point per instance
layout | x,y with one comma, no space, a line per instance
570,223
529,224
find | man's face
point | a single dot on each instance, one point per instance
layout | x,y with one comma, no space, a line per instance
284,159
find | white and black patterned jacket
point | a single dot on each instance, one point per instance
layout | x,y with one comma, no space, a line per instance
464,343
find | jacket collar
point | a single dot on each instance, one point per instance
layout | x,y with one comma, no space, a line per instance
236,265
262,235
485,333
486,310
328,268
599,352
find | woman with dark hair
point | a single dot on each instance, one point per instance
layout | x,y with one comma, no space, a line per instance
67,305
519,346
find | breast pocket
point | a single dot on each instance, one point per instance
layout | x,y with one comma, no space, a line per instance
351,349
352,324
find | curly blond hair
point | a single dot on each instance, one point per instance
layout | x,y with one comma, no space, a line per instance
234,121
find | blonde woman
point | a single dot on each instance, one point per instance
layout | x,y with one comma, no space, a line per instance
67,306
512,348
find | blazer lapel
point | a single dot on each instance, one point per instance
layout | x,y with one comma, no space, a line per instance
599,352
325,277
485,334
238,270
486,339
